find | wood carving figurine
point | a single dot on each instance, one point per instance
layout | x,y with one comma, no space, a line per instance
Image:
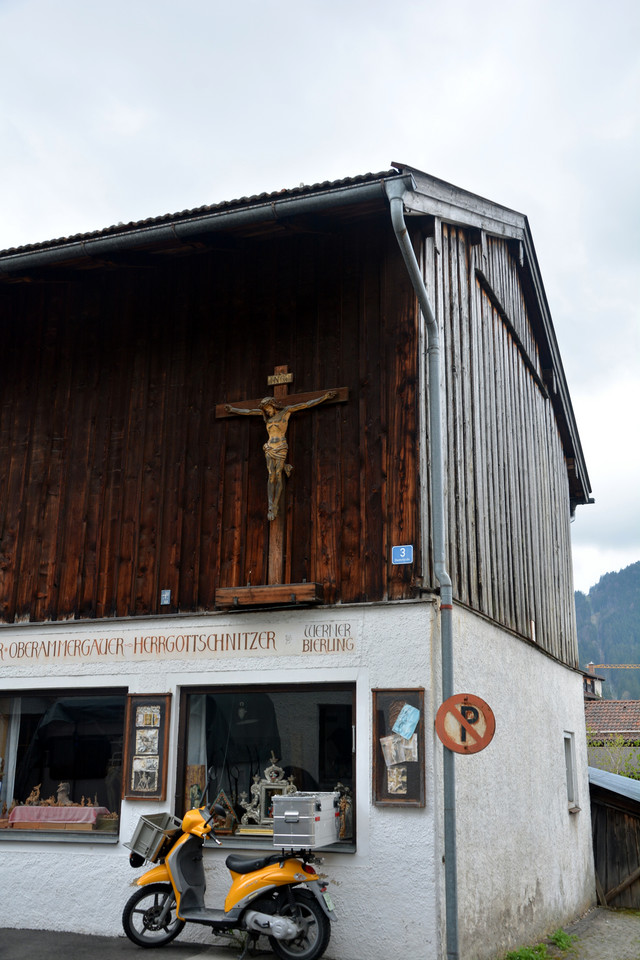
34,797
276,417
64,800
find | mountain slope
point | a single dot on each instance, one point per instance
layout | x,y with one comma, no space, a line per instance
608,621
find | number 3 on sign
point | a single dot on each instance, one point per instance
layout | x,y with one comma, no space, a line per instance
403,554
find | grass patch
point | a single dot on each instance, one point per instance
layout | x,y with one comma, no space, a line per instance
563,941
539,952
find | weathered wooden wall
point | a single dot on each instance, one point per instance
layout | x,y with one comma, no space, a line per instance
616,848
116,479
507,488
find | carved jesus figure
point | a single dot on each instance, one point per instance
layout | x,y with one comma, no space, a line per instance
276,417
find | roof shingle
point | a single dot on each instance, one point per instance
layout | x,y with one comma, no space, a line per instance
613,716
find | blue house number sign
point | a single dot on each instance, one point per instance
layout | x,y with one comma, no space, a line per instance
402,554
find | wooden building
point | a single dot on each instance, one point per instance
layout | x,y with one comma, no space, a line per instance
137,555
615,813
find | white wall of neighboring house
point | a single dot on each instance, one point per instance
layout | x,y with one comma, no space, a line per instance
525,861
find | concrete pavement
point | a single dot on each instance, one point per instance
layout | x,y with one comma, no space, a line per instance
603,934
53,945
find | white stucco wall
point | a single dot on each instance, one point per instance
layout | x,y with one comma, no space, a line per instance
524,862
82,886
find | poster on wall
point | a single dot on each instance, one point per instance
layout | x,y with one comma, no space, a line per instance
146,739
398,747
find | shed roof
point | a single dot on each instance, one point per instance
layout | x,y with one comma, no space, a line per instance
613,716
623,786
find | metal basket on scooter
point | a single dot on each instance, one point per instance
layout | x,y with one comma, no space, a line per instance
154,835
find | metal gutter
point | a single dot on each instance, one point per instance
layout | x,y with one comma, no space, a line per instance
396,191
186,228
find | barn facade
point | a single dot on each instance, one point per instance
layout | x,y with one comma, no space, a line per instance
225,507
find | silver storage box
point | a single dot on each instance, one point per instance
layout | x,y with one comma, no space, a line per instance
305,820
152,836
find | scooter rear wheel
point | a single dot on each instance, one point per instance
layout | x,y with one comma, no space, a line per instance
141,913
316,929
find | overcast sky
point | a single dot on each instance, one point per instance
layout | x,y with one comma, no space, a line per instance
124,110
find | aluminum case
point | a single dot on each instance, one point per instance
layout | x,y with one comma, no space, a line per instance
306,820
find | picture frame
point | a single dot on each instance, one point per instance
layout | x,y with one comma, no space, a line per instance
267,792
146,746
398,774
225,825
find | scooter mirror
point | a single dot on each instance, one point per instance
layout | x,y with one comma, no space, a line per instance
217,810
211,777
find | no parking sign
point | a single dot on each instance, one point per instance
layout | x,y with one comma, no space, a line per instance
465,723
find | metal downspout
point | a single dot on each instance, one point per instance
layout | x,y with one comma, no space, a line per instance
395,192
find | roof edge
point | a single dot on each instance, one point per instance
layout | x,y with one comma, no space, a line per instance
267,208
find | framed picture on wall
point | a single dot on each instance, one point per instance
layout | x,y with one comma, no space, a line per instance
146,747
398,747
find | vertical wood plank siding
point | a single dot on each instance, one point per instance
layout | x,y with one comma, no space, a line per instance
118,481
507,488
616,845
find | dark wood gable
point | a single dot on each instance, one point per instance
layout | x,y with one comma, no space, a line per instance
120,478
118,481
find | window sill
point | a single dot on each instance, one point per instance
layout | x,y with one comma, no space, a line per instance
57,836
233,843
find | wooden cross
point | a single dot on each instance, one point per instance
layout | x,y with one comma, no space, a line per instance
276,418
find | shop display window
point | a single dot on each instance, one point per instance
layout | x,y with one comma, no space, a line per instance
252,743
61,761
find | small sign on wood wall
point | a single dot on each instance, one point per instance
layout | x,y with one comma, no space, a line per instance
402,554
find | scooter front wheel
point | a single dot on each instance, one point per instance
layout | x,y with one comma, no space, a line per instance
149,917
315,929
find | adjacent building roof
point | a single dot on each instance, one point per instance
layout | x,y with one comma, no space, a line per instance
612,717
623,786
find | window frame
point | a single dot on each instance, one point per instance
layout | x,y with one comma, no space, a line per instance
571,778
55,694
186,691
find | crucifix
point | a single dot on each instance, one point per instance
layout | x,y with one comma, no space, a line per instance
276,411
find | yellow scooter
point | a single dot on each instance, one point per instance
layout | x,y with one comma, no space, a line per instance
279,895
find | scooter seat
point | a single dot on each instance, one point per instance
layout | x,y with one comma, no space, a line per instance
241,864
